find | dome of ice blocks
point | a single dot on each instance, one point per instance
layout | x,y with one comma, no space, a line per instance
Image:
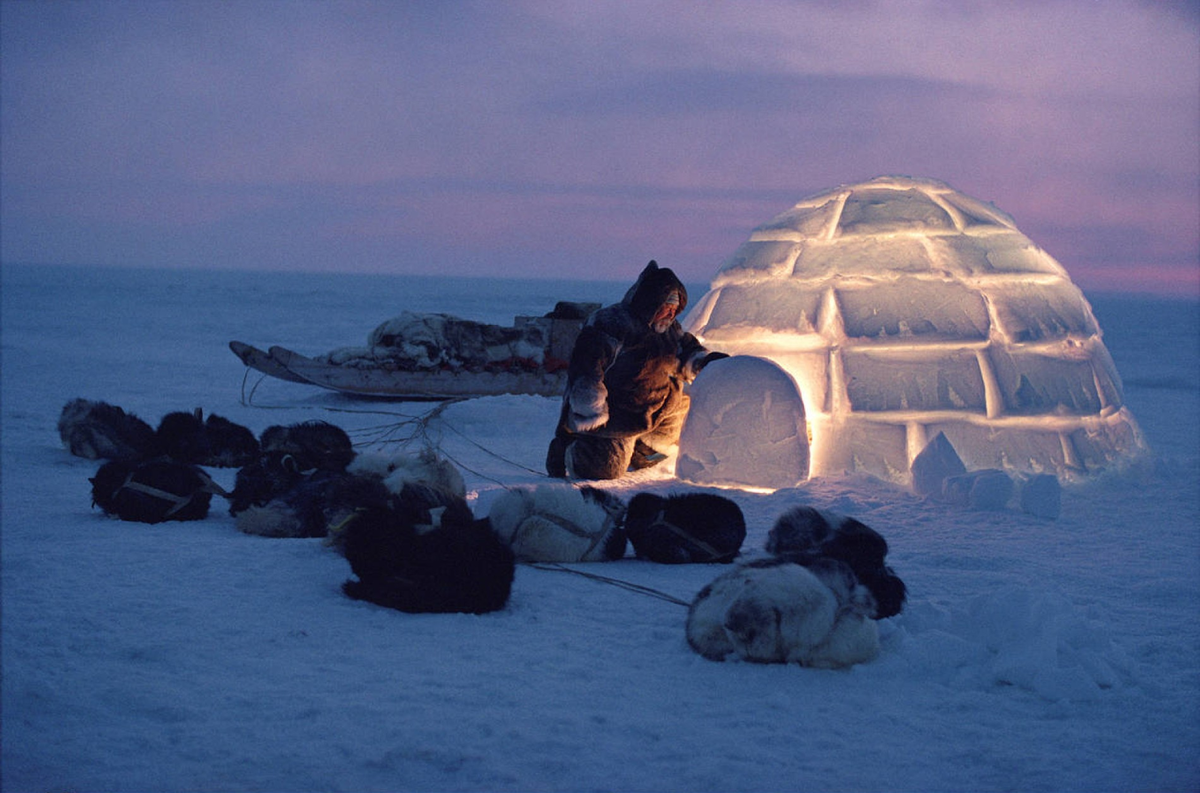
904,309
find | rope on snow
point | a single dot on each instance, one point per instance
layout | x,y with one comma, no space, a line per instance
617,582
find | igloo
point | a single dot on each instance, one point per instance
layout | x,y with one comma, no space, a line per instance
904,309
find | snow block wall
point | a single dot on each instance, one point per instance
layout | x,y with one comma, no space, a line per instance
745,427
905,309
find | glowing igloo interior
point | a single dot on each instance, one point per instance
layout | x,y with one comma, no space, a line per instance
903,309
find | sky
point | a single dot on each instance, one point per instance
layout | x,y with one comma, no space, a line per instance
582,139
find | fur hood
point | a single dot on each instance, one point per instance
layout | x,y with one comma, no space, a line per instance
651,290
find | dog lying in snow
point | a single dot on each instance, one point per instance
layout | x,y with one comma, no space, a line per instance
215,441
312,445
100,431
804,535
152,491
315,504
560,523
775,611
426,467
689,527
274,497
288,457
425,552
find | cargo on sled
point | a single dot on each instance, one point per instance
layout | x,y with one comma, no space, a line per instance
439,356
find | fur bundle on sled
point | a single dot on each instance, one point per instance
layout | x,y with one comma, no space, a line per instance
685,528
775,611
560,523
425,552
805,535
152,491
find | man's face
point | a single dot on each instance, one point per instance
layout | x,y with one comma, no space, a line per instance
664,317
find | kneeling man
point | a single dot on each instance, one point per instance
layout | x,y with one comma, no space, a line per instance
624,404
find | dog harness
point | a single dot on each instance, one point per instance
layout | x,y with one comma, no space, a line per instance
569,526
179,501
660,520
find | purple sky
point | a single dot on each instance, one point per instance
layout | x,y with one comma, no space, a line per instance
581,139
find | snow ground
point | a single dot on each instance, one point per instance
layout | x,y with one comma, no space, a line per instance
1032,655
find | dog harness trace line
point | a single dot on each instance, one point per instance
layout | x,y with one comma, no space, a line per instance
422,423
713,554
617,582
486,450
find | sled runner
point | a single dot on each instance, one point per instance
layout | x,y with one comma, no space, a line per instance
438,356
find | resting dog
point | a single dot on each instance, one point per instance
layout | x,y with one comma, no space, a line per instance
100,431
274,497
691,527
312,444
425,467
315,505
804,535
152,492
425,552
774,611
560,523
215,441
288,456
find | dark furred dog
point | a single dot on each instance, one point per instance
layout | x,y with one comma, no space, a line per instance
215,441
152,492
425,552
288,455
805,535
314,505
685,528
312,444
100,431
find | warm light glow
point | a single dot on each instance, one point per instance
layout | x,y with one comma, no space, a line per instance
902,309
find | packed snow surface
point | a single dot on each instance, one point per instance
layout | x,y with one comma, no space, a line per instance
1033,653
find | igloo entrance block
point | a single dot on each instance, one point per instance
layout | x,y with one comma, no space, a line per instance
745,428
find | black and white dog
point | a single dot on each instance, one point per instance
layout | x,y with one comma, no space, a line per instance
804,535
560,523
276,497
425,552
100,431
685,528
776,611
152,491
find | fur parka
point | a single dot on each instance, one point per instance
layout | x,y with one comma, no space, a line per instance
622,371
